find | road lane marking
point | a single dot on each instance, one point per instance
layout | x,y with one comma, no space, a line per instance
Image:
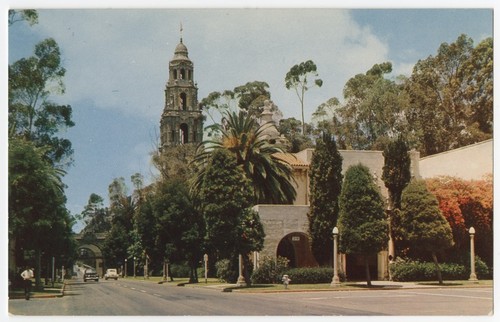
156,294
352,297
452,295
143,291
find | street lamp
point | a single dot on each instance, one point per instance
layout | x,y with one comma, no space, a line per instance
335,280
125,273
134,266
205,259
473,277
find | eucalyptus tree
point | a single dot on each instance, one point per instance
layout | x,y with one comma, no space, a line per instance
28,15
95,216
290,128
373,111
298,78
451,96
32,115
249,97
270,177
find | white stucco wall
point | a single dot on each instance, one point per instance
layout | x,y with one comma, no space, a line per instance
469,162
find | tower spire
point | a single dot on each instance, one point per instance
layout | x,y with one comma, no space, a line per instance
181,30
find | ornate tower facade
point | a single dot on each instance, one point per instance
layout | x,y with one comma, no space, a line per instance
181,120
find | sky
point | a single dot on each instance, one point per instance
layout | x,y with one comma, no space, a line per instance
117,66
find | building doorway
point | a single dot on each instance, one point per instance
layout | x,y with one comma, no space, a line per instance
295,246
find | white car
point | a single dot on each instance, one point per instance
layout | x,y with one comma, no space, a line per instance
111,273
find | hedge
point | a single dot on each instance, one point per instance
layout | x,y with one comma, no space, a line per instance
409,270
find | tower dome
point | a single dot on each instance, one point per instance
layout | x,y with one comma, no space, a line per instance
181,52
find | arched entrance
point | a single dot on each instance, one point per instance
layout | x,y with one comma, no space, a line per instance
295,246
91,255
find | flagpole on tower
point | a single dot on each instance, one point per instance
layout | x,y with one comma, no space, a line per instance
181,30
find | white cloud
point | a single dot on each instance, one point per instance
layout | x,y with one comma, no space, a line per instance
119,58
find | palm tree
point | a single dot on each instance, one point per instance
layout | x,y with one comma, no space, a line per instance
241,134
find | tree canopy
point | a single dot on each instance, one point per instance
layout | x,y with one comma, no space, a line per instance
421,222
31,114
241,135
362,221
298,78
446,103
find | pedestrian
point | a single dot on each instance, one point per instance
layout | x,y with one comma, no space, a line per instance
27,275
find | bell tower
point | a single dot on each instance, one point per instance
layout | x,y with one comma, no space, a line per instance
181,120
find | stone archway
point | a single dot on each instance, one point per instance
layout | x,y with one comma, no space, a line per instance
295,246
91,255
286,228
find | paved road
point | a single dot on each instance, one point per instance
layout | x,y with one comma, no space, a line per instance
126,297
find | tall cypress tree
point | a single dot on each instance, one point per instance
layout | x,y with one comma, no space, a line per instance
362,222
396,171
326,183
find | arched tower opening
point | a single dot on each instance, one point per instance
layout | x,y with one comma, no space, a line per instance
184,133
183,102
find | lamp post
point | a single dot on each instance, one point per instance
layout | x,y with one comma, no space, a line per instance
473,277
205,259
335,280
125,272
134,266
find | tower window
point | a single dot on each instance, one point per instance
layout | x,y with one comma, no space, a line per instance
190,75
184,133
183,74
183,103
175,73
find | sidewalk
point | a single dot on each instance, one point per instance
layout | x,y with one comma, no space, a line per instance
48,292
348,286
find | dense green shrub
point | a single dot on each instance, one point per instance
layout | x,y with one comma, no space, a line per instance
312,275
225,271
270,270
408,270
179,270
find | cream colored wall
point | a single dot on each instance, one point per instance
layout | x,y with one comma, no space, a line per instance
470,162
279,221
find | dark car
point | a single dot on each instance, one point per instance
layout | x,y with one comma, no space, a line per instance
90,274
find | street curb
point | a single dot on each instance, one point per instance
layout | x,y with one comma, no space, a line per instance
18,296
351,288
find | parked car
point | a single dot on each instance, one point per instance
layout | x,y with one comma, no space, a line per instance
111,273
90,274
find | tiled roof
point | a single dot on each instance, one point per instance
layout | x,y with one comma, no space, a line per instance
291,159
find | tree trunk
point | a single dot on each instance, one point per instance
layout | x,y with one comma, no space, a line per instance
38,270
246,270
367,268
438,269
